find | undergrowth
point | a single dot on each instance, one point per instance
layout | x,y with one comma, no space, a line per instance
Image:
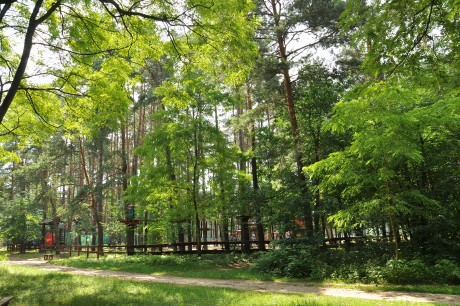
367,263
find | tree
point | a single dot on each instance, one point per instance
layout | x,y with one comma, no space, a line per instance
384,171
398,34
285,22
38,25
316,91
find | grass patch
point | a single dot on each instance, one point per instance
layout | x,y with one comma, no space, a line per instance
31,286
206,266
216,266
221,267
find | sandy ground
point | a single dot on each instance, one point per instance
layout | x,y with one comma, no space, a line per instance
262,286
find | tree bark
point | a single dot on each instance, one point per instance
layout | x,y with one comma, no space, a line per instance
99,190
289,97
195,189
124,171
394,228
34,22
255,180
89,183
245,210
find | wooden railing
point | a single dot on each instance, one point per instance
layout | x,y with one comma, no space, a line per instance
207,247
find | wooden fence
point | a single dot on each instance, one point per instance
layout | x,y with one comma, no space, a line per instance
207,247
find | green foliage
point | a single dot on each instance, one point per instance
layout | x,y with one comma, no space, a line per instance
403,34
368,263
294,258
19,221
384,170
417,272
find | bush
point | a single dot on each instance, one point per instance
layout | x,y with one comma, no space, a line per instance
406,272
447,272
417,272
296,258
369,263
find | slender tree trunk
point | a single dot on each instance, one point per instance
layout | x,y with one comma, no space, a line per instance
172,178
316,215
13,183
195,189
181,236
99,190
394,228
89,183
125,174
289,97
146,230
244,217
224,232
255,180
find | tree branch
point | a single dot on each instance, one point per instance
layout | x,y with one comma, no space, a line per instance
31,101
28,42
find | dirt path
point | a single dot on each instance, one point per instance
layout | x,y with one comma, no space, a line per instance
262,286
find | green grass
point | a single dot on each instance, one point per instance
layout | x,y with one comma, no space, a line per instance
31,286
206,266
216,267
220,267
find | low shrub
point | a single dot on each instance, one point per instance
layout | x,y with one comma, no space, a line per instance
418,272
406,272
369,263
295,258
447,272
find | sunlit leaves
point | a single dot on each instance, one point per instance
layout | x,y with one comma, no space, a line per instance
392,124
397,34
224,39
33,117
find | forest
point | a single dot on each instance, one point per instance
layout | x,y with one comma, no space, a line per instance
299,121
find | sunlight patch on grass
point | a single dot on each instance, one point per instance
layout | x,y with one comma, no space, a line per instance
134,289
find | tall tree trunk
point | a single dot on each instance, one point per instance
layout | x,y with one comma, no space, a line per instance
172,178
224,232
289,97
255,180
125,174
99,190
195,189
244,217
394,228
316,216
89,183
